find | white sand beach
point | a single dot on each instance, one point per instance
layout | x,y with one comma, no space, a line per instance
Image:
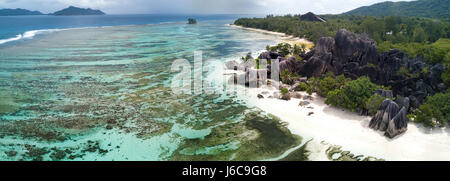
284,38
340,127
350,130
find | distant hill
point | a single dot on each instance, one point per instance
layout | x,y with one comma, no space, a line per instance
17,12
71,11
421,8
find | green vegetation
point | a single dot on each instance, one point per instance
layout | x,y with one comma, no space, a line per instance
446,74
419,8
342,92
353,95
302,86
329,83
392,28
288,77
373,103
416,36
436,52
286,49
312,84
435,111
283,48
284,91
325,84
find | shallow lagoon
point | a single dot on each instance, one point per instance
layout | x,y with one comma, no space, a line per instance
104,94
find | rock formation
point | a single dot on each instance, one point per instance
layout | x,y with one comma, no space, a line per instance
398,124
356,55
192,21
311,17
390,118
403,102
290,64
385,93
353,55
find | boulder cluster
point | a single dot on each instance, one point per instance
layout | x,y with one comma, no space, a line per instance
355,55
390,118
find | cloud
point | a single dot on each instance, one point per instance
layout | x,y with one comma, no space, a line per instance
196,6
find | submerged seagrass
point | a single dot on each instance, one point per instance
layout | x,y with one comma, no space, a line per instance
104,94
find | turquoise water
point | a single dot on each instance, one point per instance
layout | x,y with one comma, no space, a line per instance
104,94
19,28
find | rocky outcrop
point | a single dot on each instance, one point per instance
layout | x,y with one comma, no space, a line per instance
403,102
388,109
286,96
290,64
356,55
398,124
319,60
347,53
312,17
296,95
385,93
390,118
269,55
351,47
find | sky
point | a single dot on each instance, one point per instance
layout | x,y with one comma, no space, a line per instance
276,7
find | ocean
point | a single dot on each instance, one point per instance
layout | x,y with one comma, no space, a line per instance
15,28
99,88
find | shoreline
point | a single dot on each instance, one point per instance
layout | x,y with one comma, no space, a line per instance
284,38
348,130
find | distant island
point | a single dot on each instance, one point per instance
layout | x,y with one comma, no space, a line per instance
421,8
72,11
18,12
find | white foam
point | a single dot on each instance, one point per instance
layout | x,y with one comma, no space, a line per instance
30,35
33,33
18,37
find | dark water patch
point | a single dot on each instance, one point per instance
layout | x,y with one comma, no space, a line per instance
258,137
33,152
30,129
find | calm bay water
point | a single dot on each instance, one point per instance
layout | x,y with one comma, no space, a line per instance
104,93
